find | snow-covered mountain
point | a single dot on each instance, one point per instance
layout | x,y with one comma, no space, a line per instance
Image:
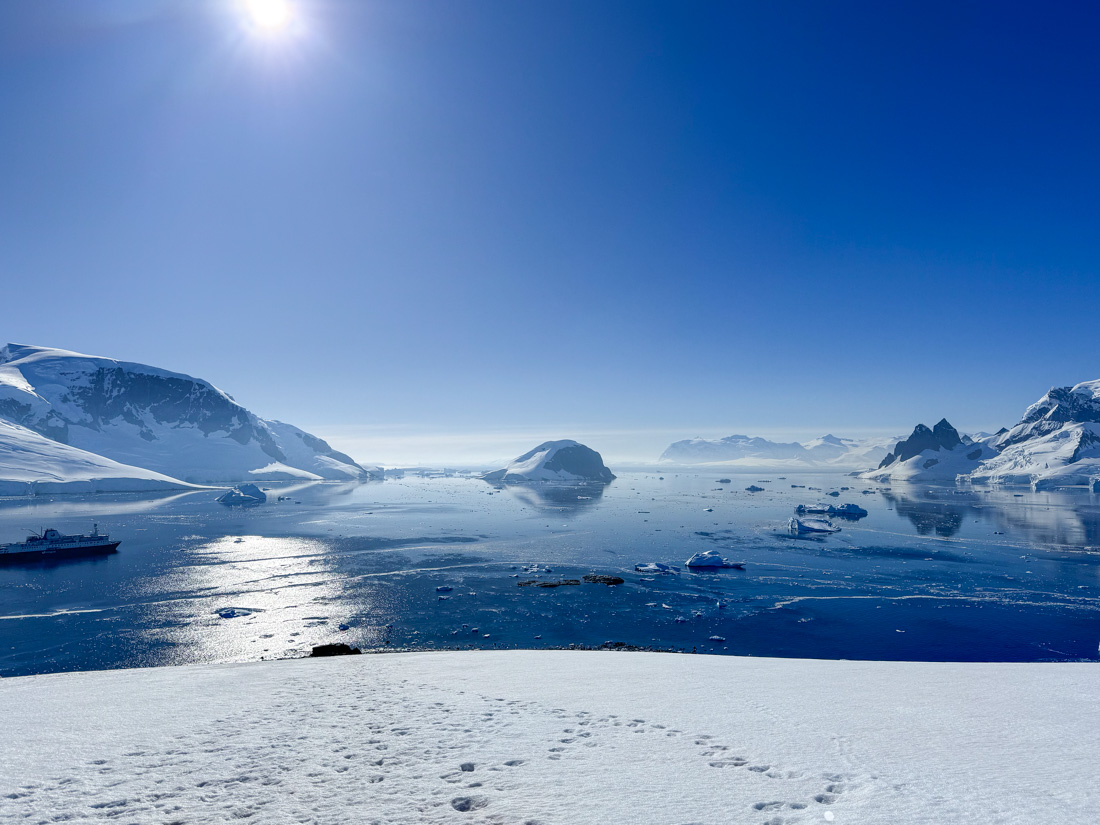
146,417
1056,443
829,451
563,461
938,454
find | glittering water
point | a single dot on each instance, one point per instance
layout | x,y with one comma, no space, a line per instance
929,574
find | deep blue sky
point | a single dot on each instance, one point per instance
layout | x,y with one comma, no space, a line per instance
469,219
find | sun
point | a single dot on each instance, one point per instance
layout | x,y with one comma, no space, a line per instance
269,15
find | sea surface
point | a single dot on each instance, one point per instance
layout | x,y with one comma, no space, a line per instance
935,574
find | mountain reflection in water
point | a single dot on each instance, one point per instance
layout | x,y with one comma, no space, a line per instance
561,499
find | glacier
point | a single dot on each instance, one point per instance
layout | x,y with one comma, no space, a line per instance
31,464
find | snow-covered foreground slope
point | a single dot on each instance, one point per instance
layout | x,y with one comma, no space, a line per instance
33,464
827,452
555,737
163,421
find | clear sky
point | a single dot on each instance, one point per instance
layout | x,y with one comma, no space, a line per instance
406,225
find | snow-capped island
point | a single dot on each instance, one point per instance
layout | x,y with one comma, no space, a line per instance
562,461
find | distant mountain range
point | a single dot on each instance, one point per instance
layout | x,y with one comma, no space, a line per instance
76,422
828,452
1055,444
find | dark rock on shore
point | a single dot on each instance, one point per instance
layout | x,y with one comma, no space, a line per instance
338,649
599,578
537,583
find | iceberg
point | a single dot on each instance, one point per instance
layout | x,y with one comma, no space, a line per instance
710,558
243,494
800,526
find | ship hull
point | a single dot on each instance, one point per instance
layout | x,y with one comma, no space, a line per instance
46,554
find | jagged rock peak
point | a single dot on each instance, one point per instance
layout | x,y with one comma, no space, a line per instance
941,437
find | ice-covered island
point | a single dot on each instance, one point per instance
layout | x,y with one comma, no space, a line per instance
562,461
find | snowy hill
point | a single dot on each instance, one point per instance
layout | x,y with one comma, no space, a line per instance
1056,443
167,422
32,464
829,451
564,461
936,455
555,737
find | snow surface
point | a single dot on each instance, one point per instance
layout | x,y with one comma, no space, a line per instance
555,737
168,422
33,464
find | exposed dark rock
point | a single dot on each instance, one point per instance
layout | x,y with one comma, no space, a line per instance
338,649
537,583
599,578
941,437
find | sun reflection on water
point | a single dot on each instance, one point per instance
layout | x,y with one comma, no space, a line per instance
262,597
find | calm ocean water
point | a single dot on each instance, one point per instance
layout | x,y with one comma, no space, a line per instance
929,574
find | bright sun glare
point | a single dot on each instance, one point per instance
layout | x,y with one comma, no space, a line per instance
269,15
